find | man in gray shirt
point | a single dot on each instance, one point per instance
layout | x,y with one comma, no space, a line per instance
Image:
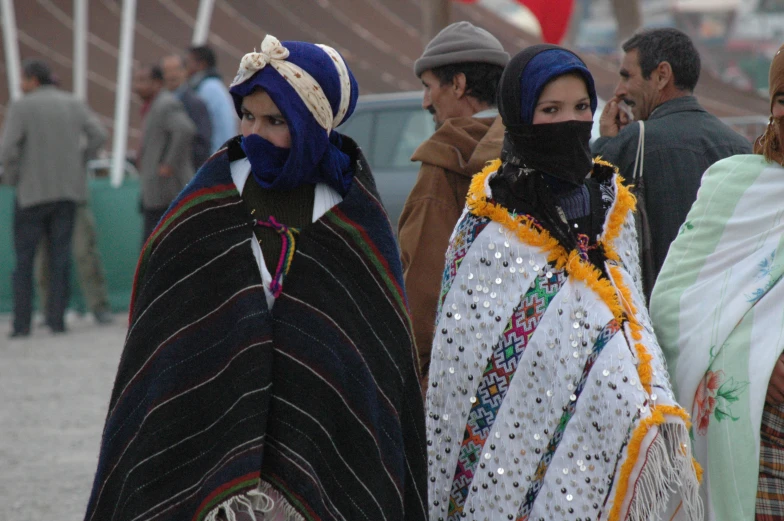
175,78
44,158
165,161
659,71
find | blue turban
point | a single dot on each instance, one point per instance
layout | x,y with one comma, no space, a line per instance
314,156
544,68
527,74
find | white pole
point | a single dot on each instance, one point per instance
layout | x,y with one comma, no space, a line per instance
80,49
123,99
203,18
11,45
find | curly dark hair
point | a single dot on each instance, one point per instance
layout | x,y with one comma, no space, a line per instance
655,46
481,78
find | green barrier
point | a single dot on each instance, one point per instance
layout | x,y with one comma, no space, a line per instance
6,248
119,228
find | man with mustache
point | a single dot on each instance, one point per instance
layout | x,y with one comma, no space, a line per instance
659,71
460,70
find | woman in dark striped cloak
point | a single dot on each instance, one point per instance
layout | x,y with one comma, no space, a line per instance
269,370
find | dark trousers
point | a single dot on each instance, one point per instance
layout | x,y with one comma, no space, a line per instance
53,222
151,218
87,261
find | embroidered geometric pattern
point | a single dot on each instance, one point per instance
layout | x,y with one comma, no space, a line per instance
604,337
467,230
495,383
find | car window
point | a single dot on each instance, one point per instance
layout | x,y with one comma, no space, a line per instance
397,134
360,128
417,129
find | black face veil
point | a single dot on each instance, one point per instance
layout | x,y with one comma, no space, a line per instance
560,150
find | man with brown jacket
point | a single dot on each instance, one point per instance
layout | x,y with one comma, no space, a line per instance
460,69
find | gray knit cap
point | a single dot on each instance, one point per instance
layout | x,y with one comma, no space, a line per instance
461,42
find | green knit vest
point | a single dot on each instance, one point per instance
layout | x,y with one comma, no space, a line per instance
293,208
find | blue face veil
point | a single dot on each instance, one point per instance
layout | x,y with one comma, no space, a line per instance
315,92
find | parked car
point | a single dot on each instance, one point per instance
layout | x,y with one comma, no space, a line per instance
388,128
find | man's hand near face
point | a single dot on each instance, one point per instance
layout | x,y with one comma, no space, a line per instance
613,119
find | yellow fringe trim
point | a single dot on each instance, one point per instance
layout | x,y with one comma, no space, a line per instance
591,277
624,202
523,227
599,161
644,366
531,233
655,419
697,469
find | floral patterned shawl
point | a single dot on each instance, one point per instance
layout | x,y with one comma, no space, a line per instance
719,315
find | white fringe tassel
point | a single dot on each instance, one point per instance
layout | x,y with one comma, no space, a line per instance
283,510
669,469
229,509
264,503
261,501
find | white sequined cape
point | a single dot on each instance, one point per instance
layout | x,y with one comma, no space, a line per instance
548,396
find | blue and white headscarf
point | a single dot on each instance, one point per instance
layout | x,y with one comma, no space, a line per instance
526,76
315,92
544,67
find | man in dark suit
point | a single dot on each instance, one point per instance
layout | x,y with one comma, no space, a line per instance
175,80
659,72
165,159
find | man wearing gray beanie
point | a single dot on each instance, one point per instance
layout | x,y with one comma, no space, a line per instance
460,70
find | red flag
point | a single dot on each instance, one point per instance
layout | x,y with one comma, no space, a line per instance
553,16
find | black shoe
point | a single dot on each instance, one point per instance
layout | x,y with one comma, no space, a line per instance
103,317
19,334
59,329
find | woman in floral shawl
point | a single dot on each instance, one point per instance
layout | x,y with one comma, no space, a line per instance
718,310
548,397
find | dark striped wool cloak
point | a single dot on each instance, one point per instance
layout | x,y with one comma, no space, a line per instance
317,398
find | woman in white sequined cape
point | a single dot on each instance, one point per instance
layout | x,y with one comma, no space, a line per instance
548,397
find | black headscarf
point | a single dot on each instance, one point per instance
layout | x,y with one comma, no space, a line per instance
554,61
539,162
560,150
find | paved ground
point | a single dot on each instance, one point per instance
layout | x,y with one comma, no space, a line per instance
54,391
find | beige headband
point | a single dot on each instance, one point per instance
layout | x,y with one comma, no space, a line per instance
305,85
